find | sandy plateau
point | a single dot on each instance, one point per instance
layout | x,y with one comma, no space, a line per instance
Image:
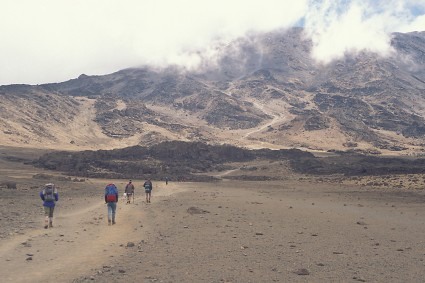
296,230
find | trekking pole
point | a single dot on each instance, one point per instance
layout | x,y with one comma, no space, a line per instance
133,197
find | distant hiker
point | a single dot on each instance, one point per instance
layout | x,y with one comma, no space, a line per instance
166,180
129,191
148,190
111,199
49,195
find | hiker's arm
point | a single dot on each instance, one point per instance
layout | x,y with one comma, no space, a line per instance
56,196
42,195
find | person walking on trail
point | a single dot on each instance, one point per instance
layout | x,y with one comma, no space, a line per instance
129,191
111,199
148,190
50,196
166,180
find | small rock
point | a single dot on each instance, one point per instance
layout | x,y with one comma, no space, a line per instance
130,244
259,234
302,271
121,270
29,258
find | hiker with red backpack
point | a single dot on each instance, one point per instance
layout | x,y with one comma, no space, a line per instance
50,196
111,199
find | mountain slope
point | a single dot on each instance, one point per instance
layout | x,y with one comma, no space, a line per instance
264,91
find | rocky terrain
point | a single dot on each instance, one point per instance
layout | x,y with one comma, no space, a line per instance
195,161
269,93
297,227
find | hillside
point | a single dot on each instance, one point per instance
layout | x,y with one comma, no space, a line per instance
268,94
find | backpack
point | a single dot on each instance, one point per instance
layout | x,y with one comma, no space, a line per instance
111,192
49,192
148,186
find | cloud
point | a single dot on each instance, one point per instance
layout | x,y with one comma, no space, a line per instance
51,41
341,27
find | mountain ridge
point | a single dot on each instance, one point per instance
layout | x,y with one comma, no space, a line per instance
264,91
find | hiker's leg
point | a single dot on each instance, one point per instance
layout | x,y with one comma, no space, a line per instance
51,216
46,217
109,213
114,208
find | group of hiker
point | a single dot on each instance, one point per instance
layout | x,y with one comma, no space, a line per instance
50,196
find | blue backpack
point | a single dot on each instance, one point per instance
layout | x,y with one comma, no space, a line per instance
111,193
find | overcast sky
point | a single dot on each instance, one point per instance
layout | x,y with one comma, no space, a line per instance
46,41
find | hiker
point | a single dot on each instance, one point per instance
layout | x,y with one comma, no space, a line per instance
111,199
148,190
166,180
129,191
50,196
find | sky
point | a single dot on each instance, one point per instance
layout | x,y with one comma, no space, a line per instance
48,41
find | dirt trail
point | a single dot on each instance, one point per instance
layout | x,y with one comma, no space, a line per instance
80,241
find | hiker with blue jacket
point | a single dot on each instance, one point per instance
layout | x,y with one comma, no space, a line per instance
50,196
111,199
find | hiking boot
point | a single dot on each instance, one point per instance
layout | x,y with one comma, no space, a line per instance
45,226
113,222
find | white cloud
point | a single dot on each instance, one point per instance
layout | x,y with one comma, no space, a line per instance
359,25
54,40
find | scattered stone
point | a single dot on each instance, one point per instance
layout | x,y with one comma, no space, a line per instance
130,244
338,253
361,223
29,258
196,210
302,271
121,270
259,234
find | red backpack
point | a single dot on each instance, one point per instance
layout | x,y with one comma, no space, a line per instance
111,193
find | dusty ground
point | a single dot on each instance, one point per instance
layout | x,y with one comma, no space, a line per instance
296,230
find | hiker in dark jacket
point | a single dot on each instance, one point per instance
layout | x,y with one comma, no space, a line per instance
129,191
50,196
148,190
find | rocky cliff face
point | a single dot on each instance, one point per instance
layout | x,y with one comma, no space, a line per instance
265,91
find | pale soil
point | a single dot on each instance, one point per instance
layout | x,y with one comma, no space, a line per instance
223,232
228,231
